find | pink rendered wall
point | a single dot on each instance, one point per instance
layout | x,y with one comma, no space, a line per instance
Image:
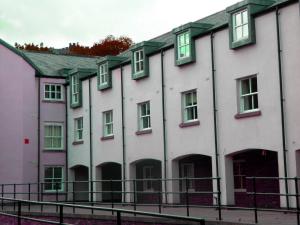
18,119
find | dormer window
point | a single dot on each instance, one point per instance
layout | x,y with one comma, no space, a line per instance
240,25
75,89
138,61
103,74
183,45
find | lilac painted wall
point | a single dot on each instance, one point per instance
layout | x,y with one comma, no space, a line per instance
18,119
52,112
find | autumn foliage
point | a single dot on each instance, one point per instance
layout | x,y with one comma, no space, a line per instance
108,46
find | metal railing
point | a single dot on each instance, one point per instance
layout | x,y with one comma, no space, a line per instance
62,206
110,192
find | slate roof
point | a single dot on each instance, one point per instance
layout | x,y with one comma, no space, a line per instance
51,64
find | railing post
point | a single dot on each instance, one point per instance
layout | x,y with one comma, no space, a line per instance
297,199
29,196
19,212
92,196
219,198
254,200
159,198
119,220
111,196
14,197
134,195
42,196
187,197
73,191
56,195
61,214
2,195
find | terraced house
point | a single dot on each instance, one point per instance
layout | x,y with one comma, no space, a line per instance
218,97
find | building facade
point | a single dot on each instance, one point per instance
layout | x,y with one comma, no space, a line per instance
213,98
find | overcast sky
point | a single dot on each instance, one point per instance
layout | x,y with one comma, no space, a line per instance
57,23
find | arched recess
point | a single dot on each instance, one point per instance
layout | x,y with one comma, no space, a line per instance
81,183
109,184
252,163
146,175
186,168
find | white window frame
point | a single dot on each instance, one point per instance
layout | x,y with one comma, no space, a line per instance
251,94
107,124
186,44
103,74
55,92
147,183
141,117
61,137
243,25
242,189
186,108
78,129
75,89
53,179
191,183
139,63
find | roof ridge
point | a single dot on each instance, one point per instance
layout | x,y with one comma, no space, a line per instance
58,54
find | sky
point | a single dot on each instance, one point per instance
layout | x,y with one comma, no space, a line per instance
57,23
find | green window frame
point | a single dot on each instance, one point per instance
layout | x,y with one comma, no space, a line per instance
53,179
75,91
108,124
140,61
144,119
240,25
78,129
183,45
104,76
189,109
248,94
53,92
53,136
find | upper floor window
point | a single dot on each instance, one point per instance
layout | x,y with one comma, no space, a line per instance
108,123
189,106
138,61
75,89
103,74
183,45
53,92
144,115
240,25
53,136
248,94
53,178
78,129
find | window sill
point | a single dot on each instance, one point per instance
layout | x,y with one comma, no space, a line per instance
141,132
53,192
189,124
53,150
77,142
247,114
53,101
104,138
103,87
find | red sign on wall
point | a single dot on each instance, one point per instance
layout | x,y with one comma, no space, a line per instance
26,141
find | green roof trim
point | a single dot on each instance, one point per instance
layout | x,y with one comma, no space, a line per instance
260,5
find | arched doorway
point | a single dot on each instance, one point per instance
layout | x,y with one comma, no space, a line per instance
109,182
188,168
146,175
255,163
81,183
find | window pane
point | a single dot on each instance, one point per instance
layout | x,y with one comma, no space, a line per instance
57,172
245,86
52,88
245,31
188,99
254,84
47,88
255,101
245,17
247,102
48,173
239,33
238,19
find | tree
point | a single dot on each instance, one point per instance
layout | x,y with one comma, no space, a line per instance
108,46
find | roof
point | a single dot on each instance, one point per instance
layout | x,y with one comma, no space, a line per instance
52,65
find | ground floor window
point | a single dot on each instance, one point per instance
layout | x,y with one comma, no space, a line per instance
53,178
239,175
